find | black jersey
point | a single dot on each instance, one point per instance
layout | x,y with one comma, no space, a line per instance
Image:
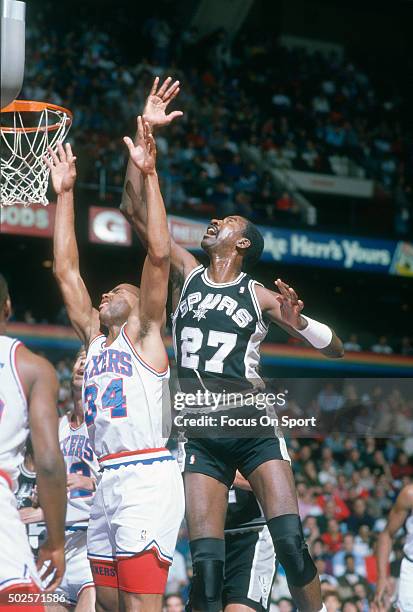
244,512
25,487
217,332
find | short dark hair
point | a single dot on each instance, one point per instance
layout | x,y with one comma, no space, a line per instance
178,595
4,291
256,247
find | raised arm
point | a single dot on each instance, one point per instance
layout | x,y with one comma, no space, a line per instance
397,516
41,386
284,309
146,320
84,318
134,205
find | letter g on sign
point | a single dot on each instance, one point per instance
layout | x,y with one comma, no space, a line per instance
108,226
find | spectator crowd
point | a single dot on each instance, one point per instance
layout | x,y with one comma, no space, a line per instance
251,107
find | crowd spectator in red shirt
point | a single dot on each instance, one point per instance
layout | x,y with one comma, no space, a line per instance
333,538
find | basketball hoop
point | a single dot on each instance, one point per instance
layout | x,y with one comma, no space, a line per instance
26,130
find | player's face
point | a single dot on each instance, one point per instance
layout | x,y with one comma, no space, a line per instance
224,234
78,370
116,305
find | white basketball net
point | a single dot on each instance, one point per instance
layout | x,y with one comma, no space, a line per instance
24,175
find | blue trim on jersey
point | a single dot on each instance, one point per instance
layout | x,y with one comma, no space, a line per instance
144,461
142,363
76,528
151,544
90,556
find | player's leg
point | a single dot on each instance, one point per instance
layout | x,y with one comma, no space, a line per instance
107,599
274,486
142,581
207,481
146,524
140,602
101,555
86,601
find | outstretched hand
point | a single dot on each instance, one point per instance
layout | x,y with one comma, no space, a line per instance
157,102
290,305
143,155
62,168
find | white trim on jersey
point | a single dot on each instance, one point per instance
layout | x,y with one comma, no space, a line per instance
251,286
190,276
95,338
211,283
252,352
144,364
13,367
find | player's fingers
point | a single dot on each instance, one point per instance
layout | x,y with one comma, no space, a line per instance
283,288
164,87
171,91
55,582
53,155
301,304
61,151
48,162
174,115
69,152
154,86
293,295
128,142
140,128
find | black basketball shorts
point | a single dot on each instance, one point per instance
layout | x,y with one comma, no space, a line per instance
220,458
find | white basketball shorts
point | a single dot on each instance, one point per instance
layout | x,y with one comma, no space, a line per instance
138,506
17,565
405,597
78,575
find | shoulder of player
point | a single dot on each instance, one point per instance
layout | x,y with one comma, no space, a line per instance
405,498
31,367
265,297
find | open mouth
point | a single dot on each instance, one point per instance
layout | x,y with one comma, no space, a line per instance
212,230
102,304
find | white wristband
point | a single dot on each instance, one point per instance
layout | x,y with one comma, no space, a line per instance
317,334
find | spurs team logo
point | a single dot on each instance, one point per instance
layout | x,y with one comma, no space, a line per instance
221,303
200,313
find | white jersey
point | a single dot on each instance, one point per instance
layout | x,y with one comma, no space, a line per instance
124,398
14,418
79,459
408,547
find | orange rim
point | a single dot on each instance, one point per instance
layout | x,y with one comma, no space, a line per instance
29,106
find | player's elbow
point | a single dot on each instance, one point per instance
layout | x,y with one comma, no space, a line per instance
62,268
160,254
50,465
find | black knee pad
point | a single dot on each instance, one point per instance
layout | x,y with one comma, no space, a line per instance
208,555
291,549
